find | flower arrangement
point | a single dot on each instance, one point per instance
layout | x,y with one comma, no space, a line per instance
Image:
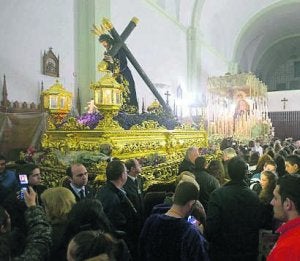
32,155
90,119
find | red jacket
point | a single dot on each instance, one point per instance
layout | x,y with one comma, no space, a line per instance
287,247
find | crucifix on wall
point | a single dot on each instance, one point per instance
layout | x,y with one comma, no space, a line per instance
167,94
284,100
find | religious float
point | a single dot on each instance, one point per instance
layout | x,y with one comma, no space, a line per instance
237,108
155,138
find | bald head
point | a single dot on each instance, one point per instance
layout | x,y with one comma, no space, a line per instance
191,154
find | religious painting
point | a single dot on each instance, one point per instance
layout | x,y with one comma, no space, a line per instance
242,105
50,64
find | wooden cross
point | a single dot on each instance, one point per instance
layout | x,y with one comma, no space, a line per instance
167,95
119,42
284,100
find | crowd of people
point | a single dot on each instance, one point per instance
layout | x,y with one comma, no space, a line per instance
215,212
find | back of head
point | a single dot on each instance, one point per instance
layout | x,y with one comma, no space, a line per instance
186,176
270,151
229,153
58,202
183,175
289,187
254,157
184,192
237,169
191,154
114,170
89,244
87,214
216,169
130,164
280,163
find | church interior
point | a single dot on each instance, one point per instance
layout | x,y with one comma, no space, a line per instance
200,61
84,84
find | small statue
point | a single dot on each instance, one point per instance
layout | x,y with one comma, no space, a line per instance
92,108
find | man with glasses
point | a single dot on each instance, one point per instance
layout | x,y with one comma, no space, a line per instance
8,180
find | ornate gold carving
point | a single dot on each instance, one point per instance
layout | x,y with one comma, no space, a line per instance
108,123
72,124
57,99
107,24
108,98
137,143
148,125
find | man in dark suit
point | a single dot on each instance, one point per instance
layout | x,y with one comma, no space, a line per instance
188,163
134,185
117,206
78,176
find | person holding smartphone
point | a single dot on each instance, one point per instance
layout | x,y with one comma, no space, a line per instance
38,237
33,177
170,236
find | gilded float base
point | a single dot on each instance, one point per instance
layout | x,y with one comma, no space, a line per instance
159,150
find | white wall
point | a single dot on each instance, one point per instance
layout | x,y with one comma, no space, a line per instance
158,44
275,103
28,28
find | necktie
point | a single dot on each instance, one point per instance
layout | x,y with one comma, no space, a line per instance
81,192
136,183
137,186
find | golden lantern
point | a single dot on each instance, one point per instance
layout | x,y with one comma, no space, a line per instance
108,99
57,101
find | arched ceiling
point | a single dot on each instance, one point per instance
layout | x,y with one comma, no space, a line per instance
269,39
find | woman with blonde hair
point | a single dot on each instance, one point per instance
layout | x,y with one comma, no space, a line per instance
58,202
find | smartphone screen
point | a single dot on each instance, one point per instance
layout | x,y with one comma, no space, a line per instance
192,220
23,180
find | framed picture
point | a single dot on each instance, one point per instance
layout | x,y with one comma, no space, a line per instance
50,63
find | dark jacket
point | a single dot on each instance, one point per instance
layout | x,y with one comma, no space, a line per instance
38,239
135,193
89,192
207,184
121,213
186,165
116,206
233,221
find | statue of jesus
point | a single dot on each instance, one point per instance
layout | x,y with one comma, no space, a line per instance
118,66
